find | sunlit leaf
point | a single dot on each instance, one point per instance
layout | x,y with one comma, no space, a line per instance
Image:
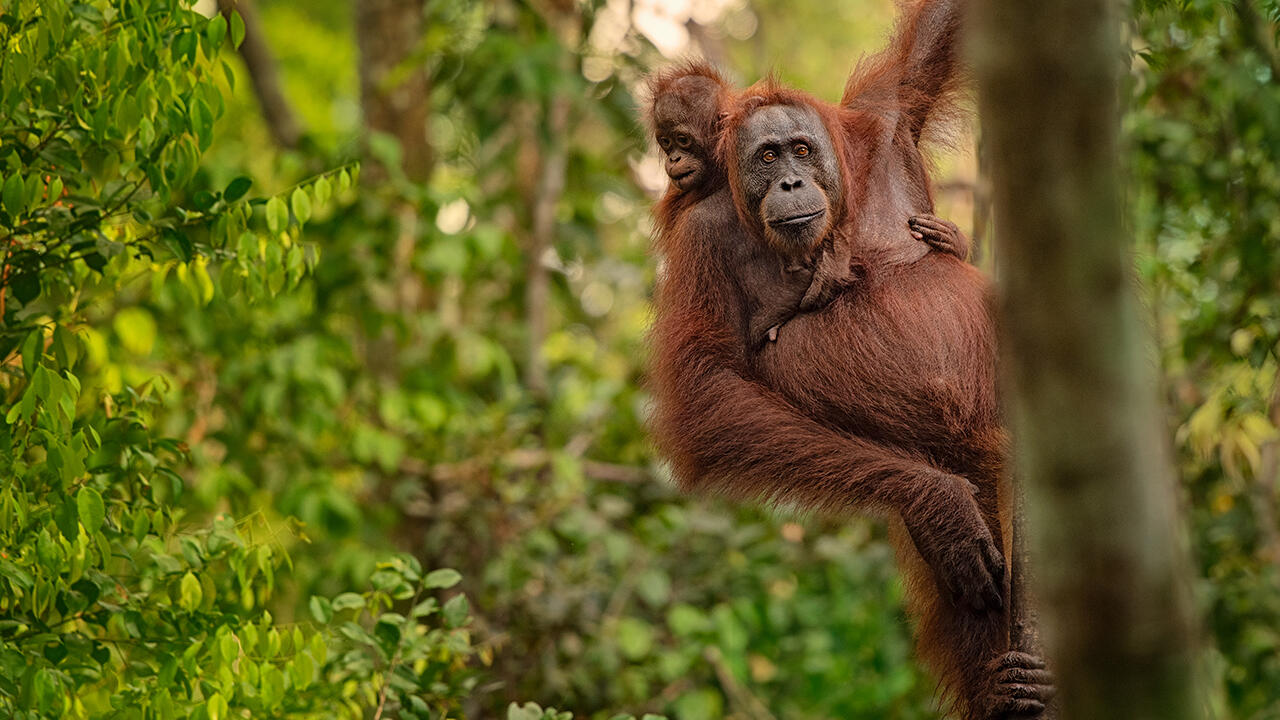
237,29
301,205
277,215
91,509
190,592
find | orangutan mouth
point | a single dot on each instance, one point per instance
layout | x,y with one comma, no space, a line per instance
799,219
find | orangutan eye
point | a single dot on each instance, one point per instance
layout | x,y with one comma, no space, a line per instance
683,141
801,150
664,143
768,156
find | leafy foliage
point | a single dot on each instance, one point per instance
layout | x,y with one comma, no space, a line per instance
116,601
1207,164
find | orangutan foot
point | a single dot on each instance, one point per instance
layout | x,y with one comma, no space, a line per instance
1021,687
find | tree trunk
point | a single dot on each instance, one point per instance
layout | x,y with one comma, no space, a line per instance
395,99
395,96
1024,621
554,158
1102,524
545,145
263,75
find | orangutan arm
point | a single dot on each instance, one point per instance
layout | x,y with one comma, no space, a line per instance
726,434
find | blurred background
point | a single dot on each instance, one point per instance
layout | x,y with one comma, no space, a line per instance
457,376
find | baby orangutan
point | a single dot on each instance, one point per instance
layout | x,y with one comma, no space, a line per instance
685,113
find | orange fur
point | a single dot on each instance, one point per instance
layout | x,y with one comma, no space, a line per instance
882,400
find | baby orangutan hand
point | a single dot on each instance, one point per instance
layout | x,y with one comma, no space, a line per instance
941,235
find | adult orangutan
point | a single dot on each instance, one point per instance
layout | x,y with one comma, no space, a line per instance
687,104
885,399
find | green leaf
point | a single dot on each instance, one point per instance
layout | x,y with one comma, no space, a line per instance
247,248
66,347
55,653
318,649
228,648
348,601
302,670
277,215
202,123
146,131
216,31
179,244
34,190
14,194
46,688
387,631
190,593
26,287
100,653
203,200
456,610
88,588
115,62
385,579
64,515
91,510
323,190
442,578
237,188
426,607
301,205
237,29
217,707
32,348
272,645
321,609
272,685
141,526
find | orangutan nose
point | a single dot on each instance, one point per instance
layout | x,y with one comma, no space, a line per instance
791,183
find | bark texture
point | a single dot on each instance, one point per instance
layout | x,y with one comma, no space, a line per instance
1110,559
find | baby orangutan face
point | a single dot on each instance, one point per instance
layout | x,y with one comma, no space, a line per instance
684,120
